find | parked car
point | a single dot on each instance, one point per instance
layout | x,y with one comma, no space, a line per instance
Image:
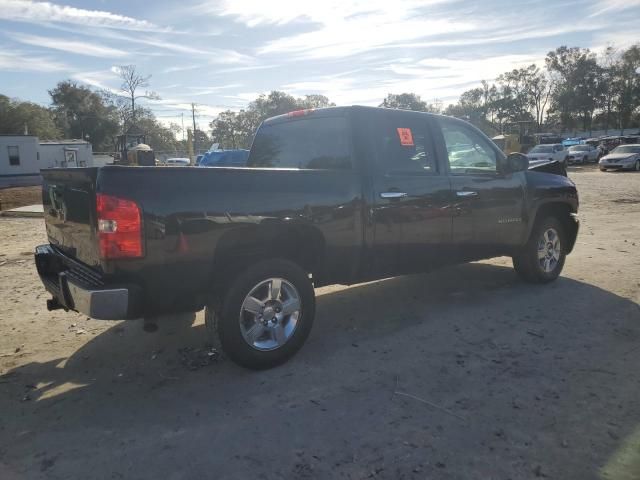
331,196
623,157
177,162
582,154
225,158
198,159
555,151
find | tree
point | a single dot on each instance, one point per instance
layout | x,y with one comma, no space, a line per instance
627,86
131,82
315,101
405,101
82,113
579,84
236,129
18,117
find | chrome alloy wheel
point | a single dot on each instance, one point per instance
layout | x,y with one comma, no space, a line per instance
549,250
269,314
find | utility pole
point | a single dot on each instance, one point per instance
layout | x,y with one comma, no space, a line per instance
195,142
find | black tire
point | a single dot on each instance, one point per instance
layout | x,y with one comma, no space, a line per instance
223,322
526,261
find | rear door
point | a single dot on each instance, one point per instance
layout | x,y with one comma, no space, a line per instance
411,195
488,205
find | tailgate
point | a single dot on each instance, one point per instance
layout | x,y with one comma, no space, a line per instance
69,201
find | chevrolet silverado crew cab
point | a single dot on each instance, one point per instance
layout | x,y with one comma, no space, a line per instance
329,196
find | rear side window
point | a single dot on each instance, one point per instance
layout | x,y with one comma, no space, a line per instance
310,143
405,145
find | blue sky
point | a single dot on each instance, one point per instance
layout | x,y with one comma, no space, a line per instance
222,54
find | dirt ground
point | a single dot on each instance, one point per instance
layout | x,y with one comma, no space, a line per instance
463,373
19,197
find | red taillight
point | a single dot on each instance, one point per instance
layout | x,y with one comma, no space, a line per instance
119,227
300,113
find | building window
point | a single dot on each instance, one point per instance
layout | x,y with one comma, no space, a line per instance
14,155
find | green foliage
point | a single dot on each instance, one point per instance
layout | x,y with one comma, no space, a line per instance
17,116
410,101
82,113
236,129
577,89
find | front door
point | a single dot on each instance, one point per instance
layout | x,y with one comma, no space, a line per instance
411,196
488,211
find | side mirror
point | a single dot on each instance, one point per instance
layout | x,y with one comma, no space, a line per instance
516,162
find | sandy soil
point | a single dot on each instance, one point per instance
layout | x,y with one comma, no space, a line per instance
464,373
19,197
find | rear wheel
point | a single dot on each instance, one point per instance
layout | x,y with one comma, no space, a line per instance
266,314
542,258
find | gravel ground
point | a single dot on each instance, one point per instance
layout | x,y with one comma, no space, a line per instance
19,197
464,373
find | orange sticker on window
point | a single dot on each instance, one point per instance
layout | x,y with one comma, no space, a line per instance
406,138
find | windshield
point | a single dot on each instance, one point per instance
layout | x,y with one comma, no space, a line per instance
542,149
579,148
627,149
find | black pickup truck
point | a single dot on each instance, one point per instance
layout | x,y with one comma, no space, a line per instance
329,196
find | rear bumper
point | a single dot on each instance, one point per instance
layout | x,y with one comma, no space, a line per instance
75,286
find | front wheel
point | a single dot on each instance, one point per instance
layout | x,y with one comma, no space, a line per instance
542,258
266,314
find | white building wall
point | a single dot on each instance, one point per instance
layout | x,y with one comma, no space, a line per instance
27,153
52,155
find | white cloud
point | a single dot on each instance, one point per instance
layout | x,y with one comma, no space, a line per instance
70,46
431,78
99,79
20,62
280,12
198,91
343,27
610,6
46,12
170,44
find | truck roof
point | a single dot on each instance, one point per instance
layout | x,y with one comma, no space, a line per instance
333,111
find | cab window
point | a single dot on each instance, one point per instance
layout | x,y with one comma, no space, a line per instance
468,151
405,146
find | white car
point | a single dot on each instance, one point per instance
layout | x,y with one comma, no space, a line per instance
554,151
583,154
177,162
623,157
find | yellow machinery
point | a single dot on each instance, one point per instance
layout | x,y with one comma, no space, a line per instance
131,149
508,143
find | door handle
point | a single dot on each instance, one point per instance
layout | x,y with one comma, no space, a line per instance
394,195
466,193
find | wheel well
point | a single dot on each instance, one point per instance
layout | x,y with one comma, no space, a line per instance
563,213
236,250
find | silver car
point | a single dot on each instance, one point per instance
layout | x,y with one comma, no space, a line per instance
583,154
623,157
548,152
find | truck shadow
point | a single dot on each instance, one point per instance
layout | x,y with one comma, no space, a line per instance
507,357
